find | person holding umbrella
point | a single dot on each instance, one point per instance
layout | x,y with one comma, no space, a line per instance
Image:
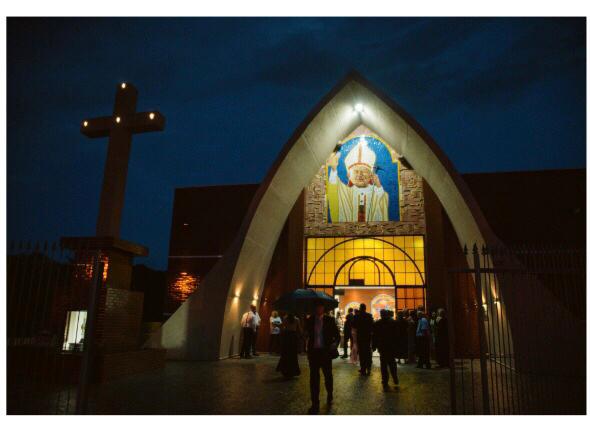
323,337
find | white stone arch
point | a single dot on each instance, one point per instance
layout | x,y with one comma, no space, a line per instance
207,325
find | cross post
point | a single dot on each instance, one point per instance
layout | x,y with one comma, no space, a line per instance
119,128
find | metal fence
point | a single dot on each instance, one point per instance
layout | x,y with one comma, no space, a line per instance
52,296
517,329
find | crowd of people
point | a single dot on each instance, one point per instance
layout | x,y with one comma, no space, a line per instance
413,338
409,337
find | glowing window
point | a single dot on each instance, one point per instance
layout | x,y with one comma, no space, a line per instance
369,261
74,330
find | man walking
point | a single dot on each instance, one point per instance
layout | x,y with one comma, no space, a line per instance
385,335
364,326
423,341
347,332
322,339
247,323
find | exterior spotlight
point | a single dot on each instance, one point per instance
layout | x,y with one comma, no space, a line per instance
152,115
118,119
123,85
85,123
359,108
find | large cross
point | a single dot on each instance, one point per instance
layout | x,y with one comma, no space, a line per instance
119,127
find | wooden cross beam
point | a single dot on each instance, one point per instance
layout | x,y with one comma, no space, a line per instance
119,127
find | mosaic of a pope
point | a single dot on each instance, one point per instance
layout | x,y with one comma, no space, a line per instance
359,173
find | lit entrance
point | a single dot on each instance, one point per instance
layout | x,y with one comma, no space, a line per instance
380,271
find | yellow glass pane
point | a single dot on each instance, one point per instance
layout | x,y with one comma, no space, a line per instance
419,253
418,241
420,265
388,239
400,267
400,278
420,279
379,253
311,243
341,280
409,241
410,252
329,267
328,242
399,241
319,243
329,256
339,240
388,254
398,255
312,279
411,279
309,267
348,254
388,279
320,268
358,243
339,255
370,279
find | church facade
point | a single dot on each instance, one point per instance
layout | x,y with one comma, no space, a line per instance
361,204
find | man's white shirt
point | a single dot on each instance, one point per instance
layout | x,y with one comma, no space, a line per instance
250,320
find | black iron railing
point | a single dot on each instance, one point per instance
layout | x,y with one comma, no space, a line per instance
517,331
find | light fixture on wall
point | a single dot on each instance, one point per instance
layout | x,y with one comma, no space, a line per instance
359,108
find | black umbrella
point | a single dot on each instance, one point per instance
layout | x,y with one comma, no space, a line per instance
304,301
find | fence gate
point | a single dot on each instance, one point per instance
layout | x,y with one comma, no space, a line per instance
52,296
517,331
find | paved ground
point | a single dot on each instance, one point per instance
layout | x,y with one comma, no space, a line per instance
253,387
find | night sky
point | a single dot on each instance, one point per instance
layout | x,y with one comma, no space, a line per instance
496,94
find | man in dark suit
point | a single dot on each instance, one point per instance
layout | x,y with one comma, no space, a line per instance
347,332
364,327
385,335
322,338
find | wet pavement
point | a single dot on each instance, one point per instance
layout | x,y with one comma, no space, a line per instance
253,386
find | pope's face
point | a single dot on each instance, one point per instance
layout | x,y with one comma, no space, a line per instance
360,176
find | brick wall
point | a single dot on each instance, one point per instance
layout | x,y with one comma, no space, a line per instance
120,319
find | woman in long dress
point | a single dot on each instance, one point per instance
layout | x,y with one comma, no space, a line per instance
354,347
290,333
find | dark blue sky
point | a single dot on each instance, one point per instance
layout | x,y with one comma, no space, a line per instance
497,95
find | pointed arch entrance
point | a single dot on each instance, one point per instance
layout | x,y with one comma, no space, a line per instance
207,325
